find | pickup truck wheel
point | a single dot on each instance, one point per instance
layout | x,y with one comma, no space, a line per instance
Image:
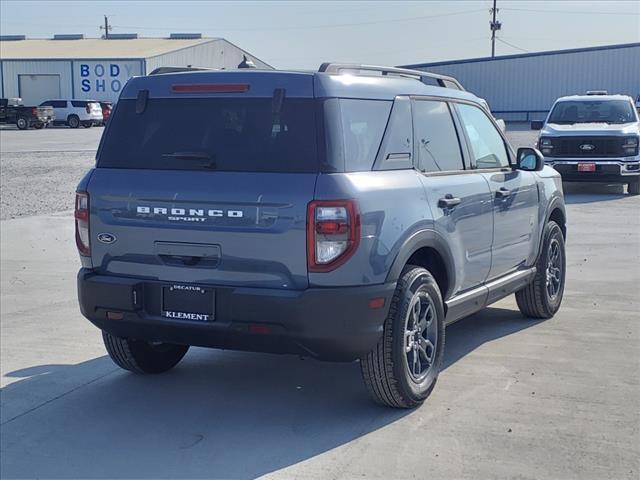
402,369
73,121
22,123
143,357
634,187
543,296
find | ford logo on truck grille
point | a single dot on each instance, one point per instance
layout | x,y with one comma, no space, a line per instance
587,147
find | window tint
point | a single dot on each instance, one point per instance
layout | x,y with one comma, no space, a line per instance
592,111
397,145
354,132
77,103
436,137
228,134
486,142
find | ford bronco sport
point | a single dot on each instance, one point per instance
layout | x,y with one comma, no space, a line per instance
338,215
594,138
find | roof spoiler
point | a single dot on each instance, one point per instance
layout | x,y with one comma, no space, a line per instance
442,80
162,70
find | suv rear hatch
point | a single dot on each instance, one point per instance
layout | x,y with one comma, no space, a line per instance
205,177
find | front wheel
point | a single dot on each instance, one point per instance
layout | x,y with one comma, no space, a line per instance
402,369
543,296
22,123
139,356
634,187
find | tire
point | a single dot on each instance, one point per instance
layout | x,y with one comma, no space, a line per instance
543,296
634,187
38,126
73,121
387,369
88,125
142,357
22,123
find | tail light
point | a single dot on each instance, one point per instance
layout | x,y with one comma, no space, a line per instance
333,233
88,107
34,112
82,223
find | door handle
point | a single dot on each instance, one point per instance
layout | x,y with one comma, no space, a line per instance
503,192
448,201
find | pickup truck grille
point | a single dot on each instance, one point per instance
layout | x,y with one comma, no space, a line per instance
588,147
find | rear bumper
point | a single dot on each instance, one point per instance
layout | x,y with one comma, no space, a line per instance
327,323
614,171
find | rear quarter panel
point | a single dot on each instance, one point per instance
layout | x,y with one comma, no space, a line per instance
392,207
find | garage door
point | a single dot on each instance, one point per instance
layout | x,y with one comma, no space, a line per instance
35,89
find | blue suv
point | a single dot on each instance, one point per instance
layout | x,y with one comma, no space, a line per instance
350,213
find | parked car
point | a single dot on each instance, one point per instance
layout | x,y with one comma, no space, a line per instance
593,138
12,110
76,113
638,104
336,216
106,107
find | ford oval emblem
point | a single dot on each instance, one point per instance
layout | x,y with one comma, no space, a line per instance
587,147
106,238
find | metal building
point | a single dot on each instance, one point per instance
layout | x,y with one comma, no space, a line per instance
71,66
523,87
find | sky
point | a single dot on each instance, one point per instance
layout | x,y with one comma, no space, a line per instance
292,34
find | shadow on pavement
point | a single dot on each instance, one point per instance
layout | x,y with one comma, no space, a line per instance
217,414
592,192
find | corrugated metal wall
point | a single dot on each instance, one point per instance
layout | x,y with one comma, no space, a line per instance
532,83
217,53
12,69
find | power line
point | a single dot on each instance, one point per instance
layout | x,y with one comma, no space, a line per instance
578,12
512,45
307,27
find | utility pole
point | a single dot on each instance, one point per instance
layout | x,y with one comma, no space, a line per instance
494,25
106,27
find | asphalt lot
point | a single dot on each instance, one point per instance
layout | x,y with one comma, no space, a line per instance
517,398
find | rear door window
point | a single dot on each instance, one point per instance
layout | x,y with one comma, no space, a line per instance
228,134
436,137
78,104
397,146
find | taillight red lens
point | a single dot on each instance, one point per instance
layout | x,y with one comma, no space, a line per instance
34,111
333,233
82,223
88,108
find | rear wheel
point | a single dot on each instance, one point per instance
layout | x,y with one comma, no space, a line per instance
88,125
402,369
634,187
22,123
73,121
543,296
143,357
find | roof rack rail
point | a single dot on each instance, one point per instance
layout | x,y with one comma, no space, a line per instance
161,70
442,80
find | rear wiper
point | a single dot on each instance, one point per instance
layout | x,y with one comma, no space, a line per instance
192,156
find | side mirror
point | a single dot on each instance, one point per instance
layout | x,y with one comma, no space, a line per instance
529,159
537,125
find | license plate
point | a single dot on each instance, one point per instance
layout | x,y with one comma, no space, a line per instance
188,302
586,167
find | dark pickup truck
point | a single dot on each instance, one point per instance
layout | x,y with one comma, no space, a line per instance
13,111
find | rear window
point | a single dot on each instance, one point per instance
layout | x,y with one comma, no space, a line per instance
222,134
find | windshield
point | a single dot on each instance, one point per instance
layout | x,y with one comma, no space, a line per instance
590,111
227,134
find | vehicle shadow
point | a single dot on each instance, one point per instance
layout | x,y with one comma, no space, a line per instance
216,415
576,193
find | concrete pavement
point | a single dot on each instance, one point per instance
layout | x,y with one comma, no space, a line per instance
517,399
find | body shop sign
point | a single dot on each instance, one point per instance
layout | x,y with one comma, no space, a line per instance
103,80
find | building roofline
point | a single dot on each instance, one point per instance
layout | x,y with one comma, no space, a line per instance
523,55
